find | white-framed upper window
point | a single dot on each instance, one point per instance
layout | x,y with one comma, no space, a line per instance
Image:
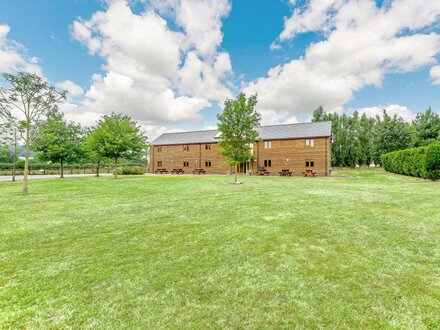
267,144
310,142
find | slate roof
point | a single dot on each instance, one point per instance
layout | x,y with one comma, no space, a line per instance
273,132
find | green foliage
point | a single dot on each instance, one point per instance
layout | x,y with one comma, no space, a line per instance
391,134
58,141
363,140
427,128
237,125
132,170
349,147
29,99
366,141
423,162
116,136
433,162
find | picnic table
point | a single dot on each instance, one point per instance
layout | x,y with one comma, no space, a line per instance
285,172
263,172
177,171
199,171
309,173
161,171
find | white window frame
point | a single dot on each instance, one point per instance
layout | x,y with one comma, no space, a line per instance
267,144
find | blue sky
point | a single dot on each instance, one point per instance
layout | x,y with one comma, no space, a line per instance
170,64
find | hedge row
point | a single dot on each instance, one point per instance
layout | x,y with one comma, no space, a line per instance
132,170
423,162
37,166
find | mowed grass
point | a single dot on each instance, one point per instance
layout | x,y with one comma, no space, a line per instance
358,250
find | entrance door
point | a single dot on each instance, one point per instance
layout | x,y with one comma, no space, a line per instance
244,168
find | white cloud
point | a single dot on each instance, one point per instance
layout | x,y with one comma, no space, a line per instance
79,114
275,46
361,44
392,109
435,74
13,56
71,87
155,73
202,23
200,19
314,17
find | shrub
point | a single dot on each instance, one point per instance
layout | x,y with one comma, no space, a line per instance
132,170
423,162
433,162
6,166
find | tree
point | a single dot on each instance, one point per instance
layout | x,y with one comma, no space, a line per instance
117,136
92,149
58,141
10,138
29,98
366,132
352,128
319,114
427,127
237,127
392,134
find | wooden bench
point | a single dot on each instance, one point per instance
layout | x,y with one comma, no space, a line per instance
199,171
285,172
263,172
161,171
309,173
177,171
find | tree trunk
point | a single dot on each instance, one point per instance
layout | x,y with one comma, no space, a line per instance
14,166
235,179
97,169
62,168
115,173
26,161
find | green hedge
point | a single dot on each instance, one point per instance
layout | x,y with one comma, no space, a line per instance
423,162
132,170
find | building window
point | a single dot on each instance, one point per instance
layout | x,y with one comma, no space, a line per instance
185,164
310,163
186,147
159,163
159,149
268,163
310,143
207,147
267,144
208,163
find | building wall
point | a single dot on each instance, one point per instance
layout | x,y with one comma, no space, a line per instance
284,154
174,156
292,155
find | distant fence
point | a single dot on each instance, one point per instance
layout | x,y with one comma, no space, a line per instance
46,169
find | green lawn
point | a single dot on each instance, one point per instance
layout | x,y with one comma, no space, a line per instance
358,250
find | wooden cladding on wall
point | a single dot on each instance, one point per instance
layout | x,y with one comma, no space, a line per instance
278,155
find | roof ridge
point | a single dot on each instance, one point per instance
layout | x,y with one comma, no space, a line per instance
213,130
202,130
306,123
